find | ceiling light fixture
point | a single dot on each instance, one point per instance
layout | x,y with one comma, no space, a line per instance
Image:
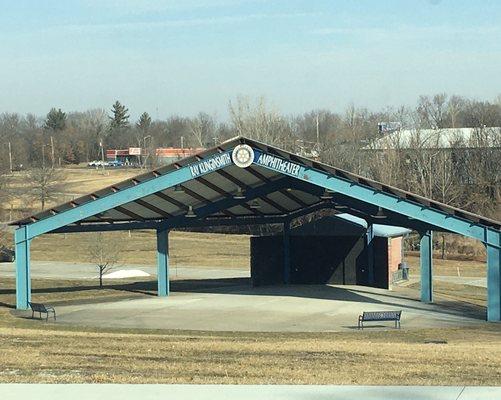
254,204
380,214
190,213
239,195
327,194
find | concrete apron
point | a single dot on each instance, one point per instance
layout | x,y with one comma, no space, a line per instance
295,308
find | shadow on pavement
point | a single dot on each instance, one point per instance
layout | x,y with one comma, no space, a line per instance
241,286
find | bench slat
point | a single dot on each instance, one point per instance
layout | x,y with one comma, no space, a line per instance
381,315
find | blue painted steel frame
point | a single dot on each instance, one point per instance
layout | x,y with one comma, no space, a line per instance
370,254
127,195
414,211
494,278
384,200
23,279
426,262
163,262
287,251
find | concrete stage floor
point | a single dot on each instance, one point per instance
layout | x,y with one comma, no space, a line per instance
296,308
223,300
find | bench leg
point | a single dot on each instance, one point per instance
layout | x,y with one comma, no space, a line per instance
32,314
54,315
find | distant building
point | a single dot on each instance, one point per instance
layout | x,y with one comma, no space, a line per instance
167,155
164,155
448,138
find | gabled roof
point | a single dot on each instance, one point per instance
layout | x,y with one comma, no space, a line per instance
270,193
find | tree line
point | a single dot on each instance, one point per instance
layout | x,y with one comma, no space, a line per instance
469,179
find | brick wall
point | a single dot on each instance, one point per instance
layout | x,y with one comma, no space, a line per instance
394,255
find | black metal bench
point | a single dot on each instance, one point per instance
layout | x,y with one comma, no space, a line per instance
373,316
42,309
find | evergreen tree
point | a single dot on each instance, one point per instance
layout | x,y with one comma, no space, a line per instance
144,123
55,120
120,118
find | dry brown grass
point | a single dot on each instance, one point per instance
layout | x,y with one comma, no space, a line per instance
76,181
470,357
464,293
186,248
36,351
467,268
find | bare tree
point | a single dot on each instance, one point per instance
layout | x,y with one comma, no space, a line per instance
433,110
45,183
454,107
203,128
104,252
260,123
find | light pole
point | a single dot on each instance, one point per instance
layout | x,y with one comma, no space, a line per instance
10,158
147,154
102,153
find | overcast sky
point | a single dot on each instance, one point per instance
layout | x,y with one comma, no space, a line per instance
186,56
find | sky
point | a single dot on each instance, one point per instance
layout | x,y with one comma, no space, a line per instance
181,57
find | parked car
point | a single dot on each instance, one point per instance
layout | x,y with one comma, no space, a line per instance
98,163
115,164
6,254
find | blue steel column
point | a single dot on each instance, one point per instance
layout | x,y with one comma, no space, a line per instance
23,279
494,278
287,252
426,260
163,262
370,254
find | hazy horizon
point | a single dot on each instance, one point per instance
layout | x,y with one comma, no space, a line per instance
166,57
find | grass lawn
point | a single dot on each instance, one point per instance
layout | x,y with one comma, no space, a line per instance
186,248
36,351
467,268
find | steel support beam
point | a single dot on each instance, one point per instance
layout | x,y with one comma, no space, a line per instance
426,262
378,198
23,279
163,262
287,251
112,200
494,278
370,255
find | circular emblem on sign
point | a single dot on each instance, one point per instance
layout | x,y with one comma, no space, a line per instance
242,155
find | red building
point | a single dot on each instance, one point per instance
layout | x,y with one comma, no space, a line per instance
164,155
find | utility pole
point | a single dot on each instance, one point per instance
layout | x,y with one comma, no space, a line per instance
102,153
52,151
10,158
318,133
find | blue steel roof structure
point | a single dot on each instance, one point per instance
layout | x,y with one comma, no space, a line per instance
269,185
290,195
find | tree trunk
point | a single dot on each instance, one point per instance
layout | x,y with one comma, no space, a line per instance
443,246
